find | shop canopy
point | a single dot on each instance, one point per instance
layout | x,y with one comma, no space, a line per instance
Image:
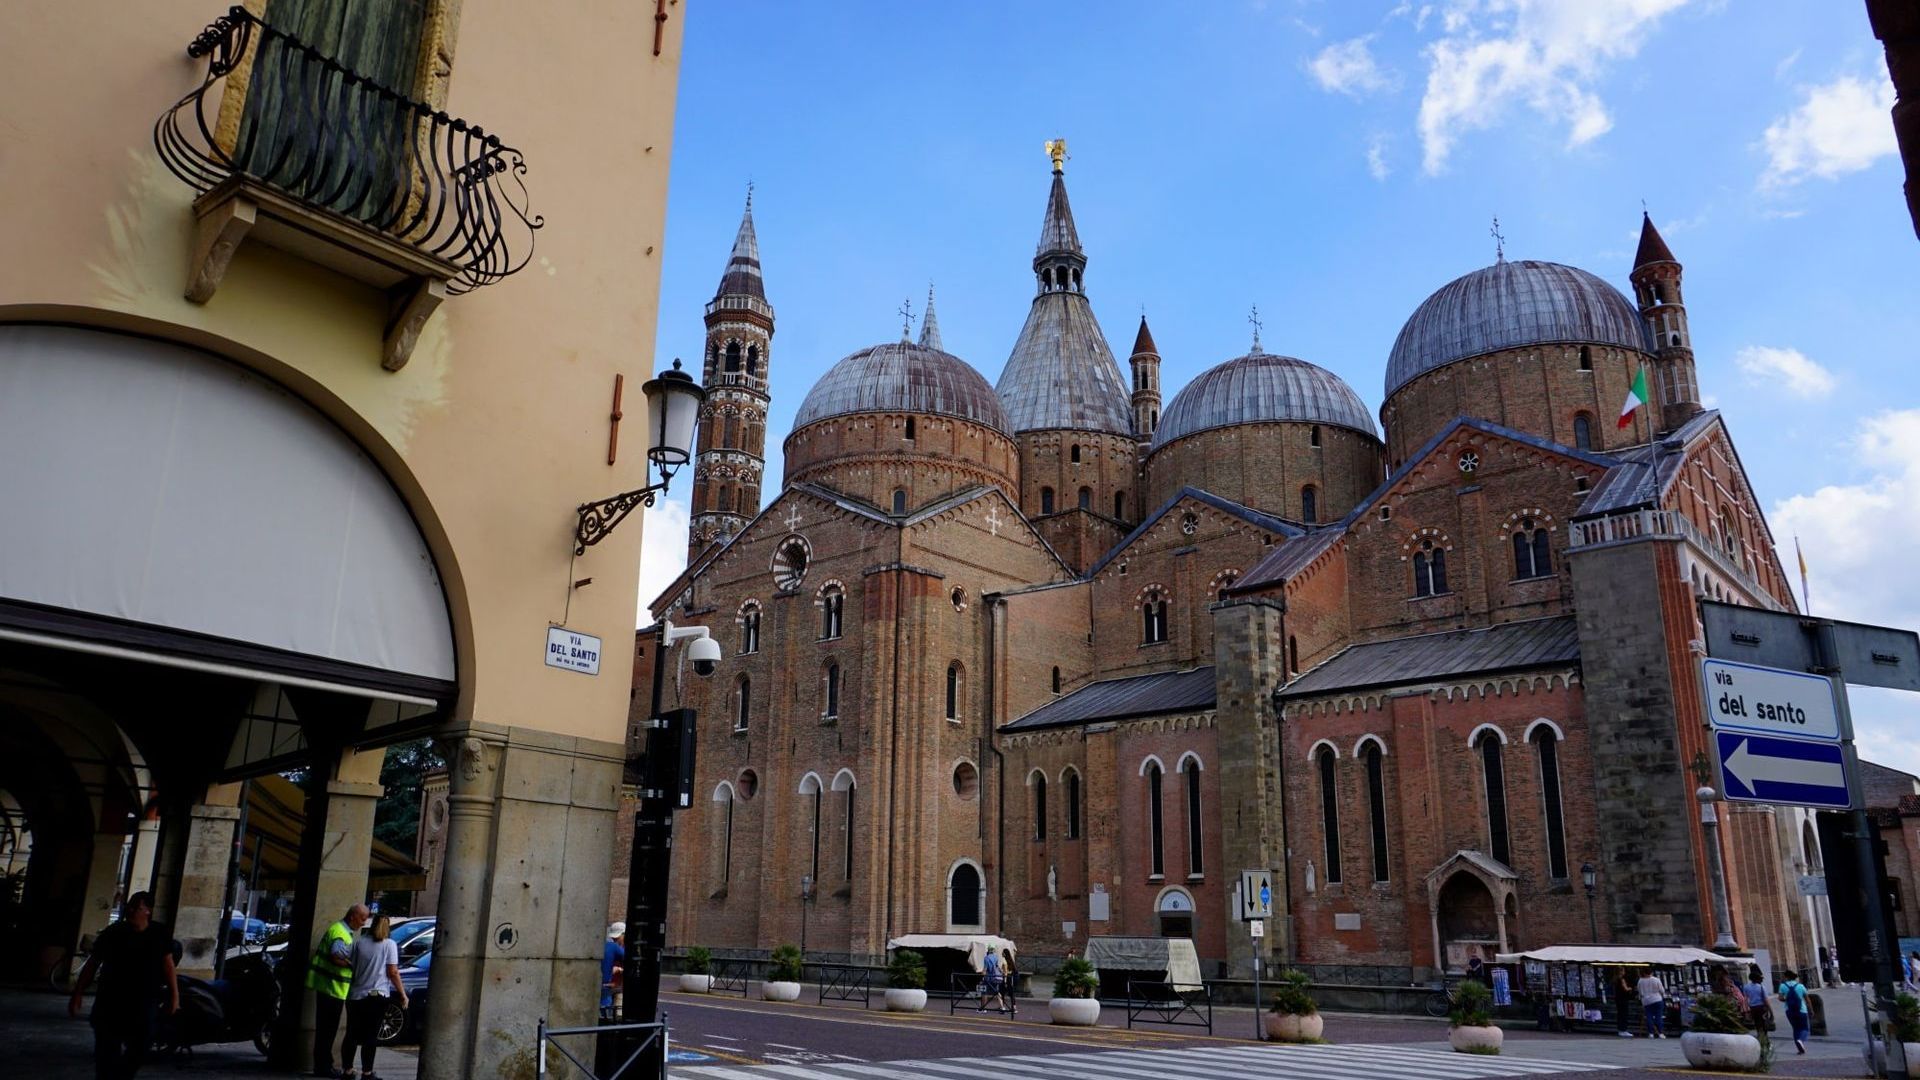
1175,956
276,815
1623,955
974,945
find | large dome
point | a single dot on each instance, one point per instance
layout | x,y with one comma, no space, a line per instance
901,377
1261,387
1509,305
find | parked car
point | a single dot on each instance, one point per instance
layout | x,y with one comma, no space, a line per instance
412,1024
242,930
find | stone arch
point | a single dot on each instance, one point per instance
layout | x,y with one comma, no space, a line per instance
1558,734
1154,761
1181,766
966,896
1473,737
1470,899
1313,752
1360,747
810,783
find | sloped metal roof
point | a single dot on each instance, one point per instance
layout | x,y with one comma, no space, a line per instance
1117,699
1646,472
1057,232
742,276
1261,387
1061,373
1288,558
903,377
1511,304
1506,647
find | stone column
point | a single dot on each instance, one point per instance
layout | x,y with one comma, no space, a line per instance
103,881
522,899
1249,661
199,914
146,848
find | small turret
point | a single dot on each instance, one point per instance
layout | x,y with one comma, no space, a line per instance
1145,363
930,325
733,420
1657,289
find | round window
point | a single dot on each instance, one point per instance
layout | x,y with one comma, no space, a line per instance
790,562
959,598
748,783
966,780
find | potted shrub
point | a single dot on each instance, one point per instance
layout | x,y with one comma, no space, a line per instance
1719,1037
698,976
906,981
783,975
1073,993
1473,1031
1905,1017
1295,1016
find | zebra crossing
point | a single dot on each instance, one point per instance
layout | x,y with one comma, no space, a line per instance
1382,1061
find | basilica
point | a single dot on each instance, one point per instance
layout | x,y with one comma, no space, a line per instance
1055,656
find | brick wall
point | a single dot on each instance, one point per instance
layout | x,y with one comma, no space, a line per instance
1265,466
867,456
1539,389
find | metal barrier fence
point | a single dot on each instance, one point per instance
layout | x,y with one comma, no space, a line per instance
654,1032
967,986
844,982
1168,1003
731,976
1358,975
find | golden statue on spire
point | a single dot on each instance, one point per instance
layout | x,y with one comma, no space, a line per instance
1057,150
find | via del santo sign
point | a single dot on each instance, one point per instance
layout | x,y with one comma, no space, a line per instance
1769,701
573,651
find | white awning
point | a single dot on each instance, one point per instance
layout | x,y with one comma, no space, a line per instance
974,945
1625,955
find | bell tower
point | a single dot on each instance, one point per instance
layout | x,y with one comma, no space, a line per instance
1656,288
1145,363
733,421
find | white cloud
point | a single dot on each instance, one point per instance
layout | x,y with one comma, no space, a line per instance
1377,158
1857,540
1544,54
1840,127
1780,69
1764,365
663,551
1348,67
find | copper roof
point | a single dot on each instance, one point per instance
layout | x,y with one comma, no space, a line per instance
1262,387
1512,304
902,377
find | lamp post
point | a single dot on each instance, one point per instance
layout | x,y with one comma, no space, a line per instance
806,897
673,408
1587,876
1716,873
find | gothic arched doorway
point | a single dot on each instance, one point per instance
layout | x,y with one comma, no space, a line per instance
1472,898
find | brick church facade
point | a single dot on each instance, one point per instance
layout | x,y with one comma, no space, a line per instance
1054,658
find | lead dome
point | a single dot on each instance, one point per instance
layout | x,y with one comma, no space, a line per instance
902,377
1262,387
1510,305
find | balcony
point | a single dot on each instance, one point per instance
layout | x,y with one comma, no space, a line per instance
1650,524
289,148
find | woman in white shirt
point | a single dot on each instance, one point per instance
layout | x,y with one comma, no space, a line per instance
376,975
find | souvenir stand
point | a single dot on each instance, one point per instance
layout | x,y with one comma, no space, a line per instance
1574,983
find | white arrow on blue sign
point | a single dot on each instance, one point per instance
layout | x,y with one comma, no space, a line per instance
1795,772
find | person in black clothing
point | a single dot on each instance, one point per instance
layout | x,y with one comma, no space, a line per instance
134,961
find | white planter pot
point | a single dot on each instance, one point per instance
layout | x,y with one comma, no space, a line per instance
780,991
1713,1050
906,1000
1913,1058
1080,1012
1476,1040
1282,1027
696,984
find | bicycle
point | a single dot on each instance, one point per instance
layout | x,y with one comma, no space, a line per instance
61,975
1440,1002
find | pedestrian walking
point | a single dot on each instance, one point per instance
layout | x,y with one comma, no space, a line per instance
1622,1002
990,980
133,959
1008,980
1761,1013
330,977
613,967
1653,1004
376,978
1793,996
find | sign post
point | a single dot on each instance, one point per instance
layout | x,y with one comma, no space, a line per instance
1256,906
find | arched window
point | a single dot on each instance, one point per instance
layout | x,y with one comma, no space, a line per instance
723,824
1532,551
1073,455
899,502
1046,500
750,628
1073,805
1309,504
1196,863
1313,435
812,790
1086,498
963,896
1493,772
1546,744
832,604
1076,279
745,710
1583,431
830,691
1293,655
753,359
1153,619
1730,535
1329,813
1155,824
843,783
1429,570
1377,806
910,429
1659,293
1153,418
1120,505
733,356
953,691
1039,806
1586,358
1046,279
1056,679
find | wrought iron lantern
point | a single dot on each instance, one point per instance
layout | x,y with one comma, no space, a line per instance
1588,875
673,411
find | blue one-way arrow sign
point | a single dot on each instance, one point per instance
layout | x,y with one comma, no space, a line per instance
1760,768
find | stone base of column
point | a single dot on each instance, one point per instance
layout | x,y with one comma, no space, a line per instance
199,916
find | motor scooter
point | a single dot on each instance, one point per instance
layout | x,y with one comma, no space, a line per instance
241,1007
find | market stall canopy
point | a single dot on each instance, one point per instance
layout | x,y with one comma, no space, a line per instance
276,814
1629,955
1175,956
974,945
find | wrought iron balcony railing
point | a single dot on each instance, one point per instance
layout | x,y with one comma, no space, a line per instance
333,140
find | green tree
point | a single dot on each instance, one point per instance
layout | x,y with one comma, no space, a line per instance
396,820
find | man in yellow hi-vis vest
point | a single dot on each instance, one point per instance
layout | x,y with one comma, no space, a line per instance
330,976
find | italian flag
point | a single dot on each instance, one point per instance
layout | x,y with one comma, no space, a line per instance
1636,397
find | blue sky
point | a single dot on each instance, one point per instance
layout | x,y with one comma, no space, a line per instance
1334,163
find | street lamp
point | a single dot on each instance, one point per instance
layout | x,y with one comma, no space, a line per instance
1587,876
673,408
806,897
1716,873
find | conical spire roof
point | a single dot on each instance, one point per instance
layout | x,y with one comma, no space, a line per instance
1653,249
1057,234
1143,341
930,325
742,277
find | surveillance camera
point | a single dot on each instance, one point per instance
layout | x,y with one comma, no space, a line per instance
705,654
